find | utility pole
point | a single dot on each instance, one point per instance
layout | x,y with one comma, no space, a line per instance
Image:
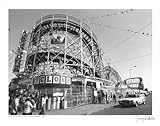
130,70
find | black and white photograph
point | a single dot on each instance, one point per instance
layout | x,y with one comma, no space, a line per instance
84,62
80,62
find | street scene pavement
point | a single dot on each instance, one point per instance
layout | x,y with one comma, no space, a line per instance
104,109
81,110
118,110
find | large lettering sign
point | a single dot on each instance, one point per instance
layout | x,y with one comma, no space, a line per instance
52,79
49,79
68,80
42,79
134,83
63,80
56,79
134,80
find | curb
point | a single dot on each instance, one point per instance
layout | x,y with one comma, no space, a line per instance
89,113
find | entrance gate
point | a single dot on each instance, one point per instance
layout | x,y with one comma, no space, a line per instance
78,95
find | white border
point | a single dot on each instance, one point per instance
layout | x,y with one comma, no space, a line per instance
68,4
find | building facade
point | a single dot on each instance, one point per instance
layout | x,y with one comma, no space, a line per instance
62,60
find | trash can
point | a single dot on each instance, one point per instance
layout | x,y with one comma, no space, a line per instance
62,104
65,104
46,104
58,103
49,104
54,103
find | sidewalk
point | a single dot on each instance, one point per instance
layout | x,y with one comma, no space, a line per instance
81,110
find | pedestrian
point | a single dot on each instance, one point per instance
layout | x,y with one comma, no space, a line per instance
42,111
17,103
106,98
99,97
13,108
28,107
33,103
21,103
44,99
95,96
114,98
102,95
10,102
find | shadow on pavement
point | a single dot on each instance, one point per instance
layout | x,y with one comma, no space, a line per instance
119,106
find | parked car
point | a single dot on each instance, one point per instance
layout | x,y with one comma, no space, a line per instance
133,99
144,92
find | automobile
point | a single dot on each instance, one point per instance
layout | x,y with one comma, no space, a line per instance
132,100
144,92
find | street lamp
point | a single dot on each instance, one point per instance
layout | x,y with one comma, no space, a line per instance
130,70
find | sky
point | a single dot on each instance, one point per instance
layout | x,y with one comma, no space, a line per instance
125,36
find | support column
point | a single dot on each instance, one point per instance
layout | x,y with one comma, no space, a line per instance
65,50
33,65
81,47
93,55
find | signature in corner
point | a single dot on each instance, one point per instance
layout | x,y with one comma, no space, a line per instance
143,118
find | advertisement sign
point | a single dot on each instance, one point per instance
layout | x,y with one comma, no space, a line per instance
133,85
133,80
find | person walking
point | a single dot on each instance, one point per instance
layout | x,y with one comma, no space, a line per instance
17,103
99,97
102,95
28,107
42,112
95,96
13,108
114,98
106,96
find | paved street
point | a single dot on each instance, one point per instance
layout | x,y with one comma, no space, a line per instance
118,110
81,110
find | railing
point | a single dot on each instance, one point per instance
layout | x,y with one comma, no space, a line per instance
70,18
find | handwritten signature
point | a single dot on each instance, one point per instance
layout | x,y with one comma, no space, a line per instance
144,118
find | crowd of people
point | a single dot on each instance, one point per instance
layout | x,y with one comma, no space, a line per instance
103,97
24,104
23,101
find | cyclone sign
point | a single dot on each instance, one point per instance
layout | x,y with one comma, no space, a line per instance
51,79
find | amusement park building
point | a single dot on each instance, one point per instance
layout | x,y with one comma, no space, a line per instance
62,58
